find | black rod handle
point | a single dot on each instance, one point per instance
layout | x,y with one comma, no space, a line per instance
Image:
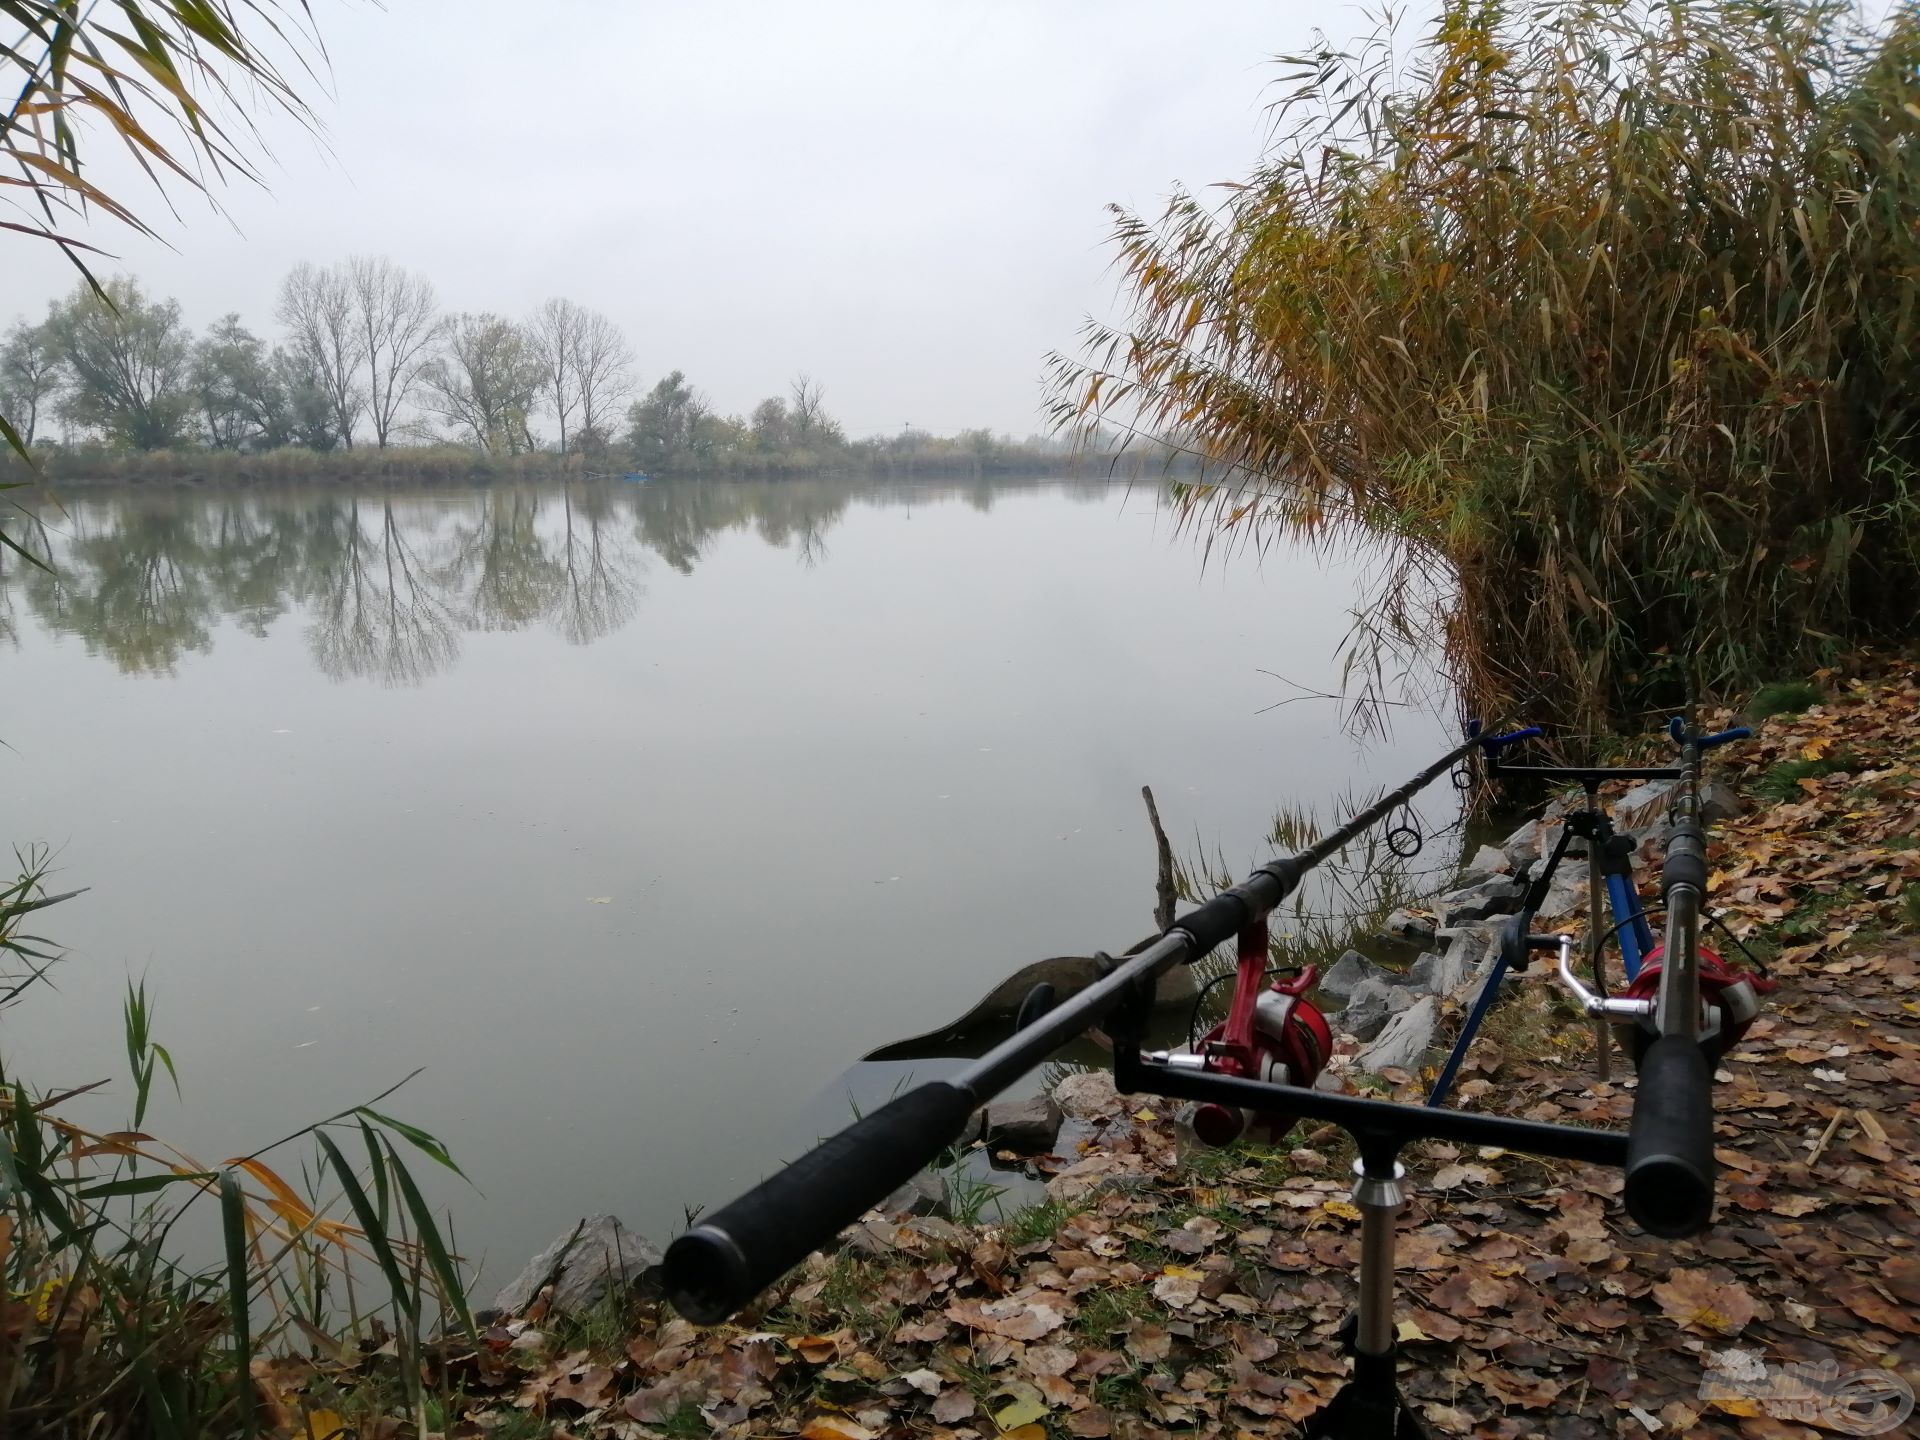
1670,1167
739,1250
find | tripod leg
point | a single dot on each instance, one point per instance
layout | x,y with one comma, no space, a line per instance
1369,1406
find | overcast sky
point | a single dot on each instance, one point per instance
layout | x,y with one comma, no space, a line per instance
904,199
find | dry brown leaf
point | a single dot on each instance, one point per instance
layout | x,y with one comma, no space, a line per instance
1701,1304
952,1405
1014,1318
1149,1343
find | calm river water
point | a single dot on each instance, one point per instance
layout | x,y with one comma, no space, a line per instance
632,813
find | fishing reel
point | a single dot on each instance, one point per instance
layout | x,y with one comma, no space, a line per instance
1729,998
1287,1042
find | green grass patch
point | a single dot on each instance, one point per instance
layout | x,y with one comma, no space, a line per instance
686,1423
1105,1313
1782,781
1784,697
1040,1221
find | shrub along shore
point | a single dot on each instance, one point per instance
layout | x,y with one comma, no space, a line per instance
457,464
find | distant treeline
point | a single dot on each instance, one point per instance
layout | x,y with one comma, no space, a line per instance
369,379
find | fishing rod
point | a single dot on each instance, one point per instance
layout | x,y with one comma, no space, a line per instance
727,1259
1258,1068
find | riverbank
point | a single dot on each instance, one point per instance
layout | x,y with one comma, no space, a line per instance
1163,1287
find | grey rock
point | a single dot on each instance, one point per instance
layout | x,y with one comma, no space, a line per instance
1087,1096
1439,974
583,1265
1027,1127
1718,802
1369,1008
924,1194
1561,806
1349,970
1409,926
1566,896
1643,806
1474,944
1405,1040
1496,895
1487,861
1522,847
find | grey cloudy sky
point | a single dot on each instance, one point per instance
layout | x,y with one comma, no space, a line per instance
905,199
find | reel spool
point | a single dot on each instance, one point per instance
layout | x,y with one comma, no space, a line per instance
1733,996
1291,1045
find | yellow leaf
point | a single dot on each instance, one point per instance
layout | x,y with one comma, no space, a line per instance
324,1425
1410,1331
1145,1116
1345,1209
1183,1273
1021,1413
834,1427
1816,748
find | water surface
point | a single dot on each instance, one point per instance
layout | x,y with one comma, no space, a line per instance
632,813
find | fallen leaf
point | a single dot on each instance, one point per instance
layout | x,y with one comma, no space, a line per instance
1149,1343
835,1427
1702,1304
952,1406
1024,1411
1014,1318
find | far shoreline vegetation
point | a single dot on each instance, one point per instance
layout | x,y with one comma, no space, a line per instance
916,457
368,380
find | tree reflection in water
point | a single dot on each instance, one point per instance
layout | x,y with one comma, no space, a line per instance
389,583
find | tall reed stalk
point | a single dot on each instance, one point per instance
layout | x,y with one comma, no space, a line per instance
107,1331
1601,311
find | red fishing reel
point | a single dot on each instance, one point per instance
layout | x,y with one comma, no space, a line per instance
1271,1033
1731,999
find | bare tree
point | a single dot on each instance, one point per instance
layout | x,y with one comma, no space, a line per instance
555,332
487,381
317,307
585,367
808,410
603,365
398,319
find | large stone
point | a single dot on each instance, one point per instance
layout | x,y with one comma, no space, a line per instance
1487,861
1349,970
1496,895
1474,944
1643,806
1372,1004
924,1194
1026,1127
1411,927
1566,896
1718,802
1087,1096
592,1259
1404,1042
1439,974
1522,847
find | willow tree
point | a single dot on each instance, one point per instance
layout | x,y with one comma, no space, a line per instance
1602,314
